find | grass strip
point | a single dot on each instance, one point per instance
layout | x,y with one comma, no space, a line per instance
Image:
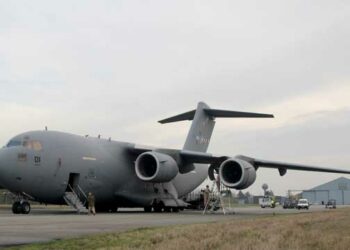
321,230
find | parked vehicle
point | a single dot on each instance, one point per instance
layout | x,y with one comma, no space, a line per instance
289,204
331,204
267,201
303,204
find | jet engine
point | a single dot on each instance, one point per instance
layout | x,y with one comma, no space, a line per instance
236,173
156,167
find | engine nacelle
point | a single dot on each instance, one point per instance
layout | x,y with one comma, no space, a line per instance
156,167
236,173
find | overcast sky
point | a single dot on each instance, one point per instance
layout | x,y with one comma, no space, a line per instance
117,67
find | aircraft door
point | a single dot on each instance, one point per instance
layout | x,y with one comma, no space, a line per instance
73,182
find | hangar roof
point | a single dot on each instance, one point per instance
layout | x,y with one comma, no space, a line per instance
341,183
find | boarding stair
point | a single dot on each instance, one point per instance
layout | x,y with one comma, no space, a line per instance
76,199
220,197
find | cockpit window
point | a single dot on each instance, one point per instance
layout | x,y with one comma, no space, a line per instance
27,143
14,143
31,144
37,145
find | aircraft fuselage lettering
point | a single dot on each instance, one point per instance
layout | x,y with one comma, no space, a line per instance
37,160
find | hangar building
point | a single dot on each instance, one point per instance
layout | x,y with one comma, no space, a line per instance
338,189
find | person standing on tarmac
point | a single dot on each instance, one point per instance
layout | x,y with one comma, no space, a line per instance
91,203
206,193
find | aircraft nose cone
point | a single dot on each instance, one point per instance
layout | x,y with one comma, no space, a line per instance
7,165
1,166
3,170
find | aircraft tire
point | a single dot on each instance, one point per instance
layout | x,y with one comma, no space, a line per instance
114,210
25,207
16,207
167,209
147,209
175,209
157,209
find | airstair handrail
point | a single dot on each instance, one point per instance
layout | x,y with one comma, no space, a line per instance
78,194
82,191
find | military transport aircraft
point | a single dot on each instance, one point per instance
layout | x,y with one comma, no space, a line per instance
59,168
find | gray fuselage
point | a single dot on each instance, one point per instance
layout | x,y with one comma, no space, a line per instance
44,169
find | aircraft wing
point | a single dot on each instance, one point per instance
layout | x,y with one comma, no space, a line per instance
282,165
186,157
195,157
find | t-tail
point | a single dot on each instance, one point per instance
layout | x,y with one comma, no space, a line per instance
203,123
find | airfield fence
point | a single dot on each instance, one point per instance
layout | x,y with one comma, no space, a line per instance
5,197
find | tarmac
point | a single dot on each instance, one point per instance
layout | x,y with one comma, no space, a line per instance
52,223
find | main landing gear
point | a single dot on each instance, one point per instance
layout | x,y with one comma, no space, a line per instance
158,207
21,207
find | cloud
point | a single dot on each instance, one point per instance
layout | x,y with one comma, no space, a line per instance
18,118
297,109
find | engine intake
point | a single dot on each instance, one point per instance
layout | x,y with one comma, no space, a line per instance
156,167
236,173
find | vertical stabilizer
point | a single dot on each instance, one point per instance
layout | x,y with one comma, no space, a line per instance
202,127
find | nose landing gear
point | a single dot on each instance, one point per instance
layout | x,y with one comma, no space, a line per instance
21,207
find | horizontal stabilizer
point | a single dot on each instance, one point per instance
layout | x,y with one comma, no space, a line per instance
236,114
181,117
215,113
